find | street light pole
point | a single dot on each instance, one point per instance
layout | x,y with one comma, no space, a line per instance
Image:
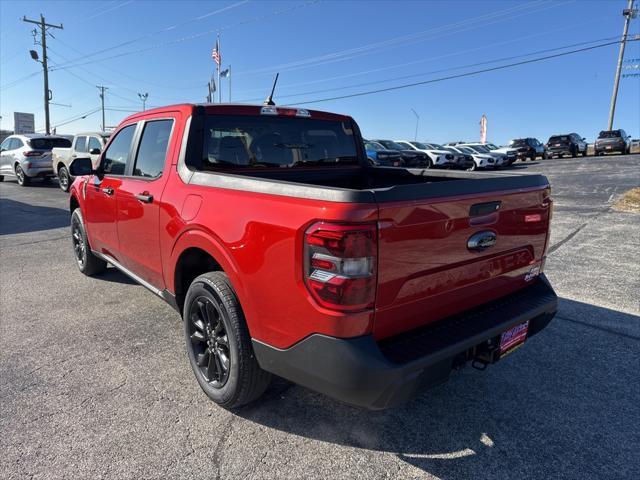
415,136
43,42
143,97
628,13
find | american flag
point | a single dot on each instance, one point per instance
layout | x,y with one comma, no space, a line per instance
215,54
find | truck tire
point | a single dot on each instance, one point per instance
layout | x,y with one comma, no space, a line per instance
87,262
64,179
574,152
218,343
23,180
1,178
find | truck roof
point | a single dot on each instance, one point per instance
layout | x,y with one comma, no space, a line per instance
235,109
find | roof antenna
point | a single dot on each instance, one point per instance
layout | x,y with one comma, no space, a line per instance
269,99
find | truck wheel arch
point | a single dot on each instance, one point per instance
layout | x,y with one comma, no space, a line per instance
73,203
194,253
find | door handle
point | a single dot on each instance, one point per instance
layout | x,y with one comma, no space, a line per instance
144,197
108,190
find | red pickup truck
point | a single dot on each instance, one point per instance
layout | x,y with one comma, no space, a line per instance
286,253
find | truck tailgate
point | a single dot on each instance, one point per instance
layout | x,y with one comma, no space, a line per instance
428,268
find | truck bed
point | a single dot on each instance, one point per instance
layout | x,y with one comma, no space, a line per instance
363,184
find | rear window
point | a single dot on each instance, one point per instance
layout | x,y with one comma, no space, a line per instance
610,134
240,141
559,138
521,142
49,143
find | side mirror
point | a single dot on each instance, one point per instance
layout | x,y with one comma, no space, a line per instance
81,166
94,151
584,139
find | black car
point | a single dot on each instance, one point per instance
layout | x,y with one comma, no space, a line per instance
567,144
382,157
411,158
529,148
613,141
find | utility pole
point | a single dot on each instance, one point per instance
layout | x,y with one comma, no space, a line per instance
415,137
143,97
43,41
102,90
628,14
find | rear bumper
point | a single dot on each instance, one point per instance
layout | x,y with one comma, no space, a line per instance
379,375
610,148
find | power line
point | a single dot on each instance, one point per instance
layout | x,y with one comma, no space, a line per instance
461,75
190,37
162,30
429,34
375,82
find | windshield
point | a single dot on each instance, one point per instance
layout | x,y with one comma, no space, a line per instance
467,150
391,145
49,143
376,147
609,134
232,141
449,149
421,146
477,148
491,146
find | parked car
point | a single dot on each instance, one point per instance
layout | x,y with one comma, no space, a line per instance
84,144
505,156
439,158
28,156
380,156
287,254
480,160
411,158
613,141
501,159
462,161
567,144
529,148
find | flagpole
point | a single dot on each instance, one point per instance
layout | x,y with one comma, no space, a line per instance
218,65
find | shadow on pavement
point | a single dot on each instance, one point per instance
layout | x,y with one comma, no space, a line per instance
112,274
563,406
19,217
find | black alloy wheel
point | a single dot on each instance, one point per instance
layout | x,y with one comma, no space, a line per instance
209,341
79,248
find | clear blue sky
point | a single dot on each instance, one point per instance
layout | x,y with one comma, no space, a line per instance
330,46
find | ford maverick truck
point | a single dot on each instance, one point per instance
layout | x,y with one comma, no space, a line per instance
286,253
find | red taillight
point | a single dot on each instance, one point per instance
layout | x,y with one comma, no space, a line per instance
340,265
31,153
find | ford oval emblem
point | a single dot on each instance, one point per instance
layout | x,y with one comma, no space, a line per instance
482,240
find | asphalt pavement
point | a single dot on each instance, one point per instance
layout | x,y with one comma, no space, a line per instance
95,383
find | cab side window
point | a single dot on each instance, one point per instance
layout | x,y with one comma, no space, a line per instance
94,143
81,144
152,151
114,160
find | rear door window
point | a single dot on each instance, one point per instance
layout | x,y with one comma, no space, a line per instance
114,160
152,151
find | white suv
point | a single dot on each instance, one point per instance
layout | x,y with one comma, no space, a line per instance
439,157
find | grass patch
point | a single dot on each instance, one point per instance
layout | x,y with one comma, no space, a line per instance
629,202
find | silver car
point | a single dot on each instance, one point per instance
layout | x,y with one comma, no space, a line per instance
29,156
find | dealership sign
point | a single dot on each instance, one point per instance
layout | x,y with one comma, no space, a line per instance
23,123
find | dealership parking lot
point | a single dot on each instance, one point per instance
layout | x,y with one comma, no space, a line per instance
95,382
